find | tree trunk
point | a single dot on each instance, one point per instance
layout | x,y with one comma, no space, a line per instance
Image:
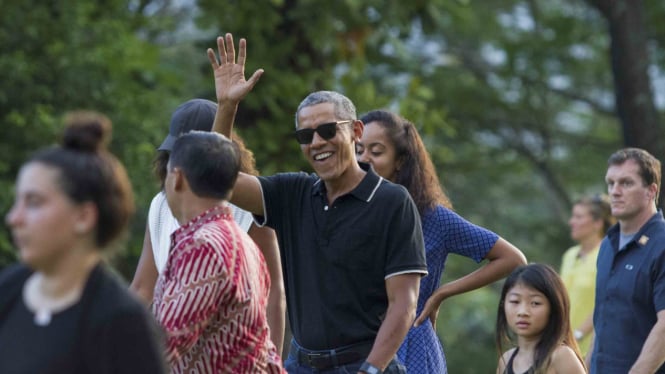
632,86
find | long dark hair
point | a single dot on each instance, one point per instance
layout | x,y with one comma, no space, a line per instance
544,279
415,170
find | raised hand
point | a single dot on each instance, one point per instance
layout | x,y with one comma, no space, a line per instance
230,83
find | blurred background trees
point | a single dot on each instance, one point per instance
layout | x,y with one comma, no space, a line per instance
520,102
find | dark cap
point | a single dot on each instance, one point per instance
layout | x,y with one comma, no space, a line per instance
195,114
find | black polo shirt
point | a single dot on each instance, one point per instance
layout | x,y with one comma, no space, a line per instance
336,258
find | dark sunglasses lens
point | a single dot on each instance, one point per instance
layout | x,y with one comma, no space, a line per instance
304,136
327,130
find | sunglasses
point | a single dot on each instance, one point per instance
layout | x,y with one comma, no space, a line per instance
325,130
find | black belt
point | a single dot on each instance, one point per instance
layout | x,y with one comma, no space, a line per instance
331,358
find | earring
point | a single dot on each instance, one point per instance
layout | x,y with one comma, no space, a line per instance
79,228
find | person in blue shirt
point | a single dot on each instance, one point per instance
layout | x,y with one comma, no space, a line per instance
392,146
629,317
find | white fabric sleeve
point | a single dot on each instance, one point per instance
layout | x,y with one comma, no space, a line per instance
161,224
243,218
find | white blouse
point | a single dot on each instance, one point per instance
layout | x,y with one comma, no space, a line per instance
161,224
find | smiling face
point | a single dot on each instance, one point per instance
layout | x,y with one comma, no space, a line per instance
527,311
332,158
44,222
376,149
629,196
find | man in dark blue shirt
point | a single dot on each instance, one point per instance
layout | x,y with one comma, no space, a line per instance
629,317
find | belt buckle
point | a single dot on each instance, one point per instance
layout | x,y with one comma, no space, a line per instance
314,360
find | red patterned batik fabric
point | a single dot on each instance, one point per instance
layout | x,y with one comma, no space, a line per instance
211,299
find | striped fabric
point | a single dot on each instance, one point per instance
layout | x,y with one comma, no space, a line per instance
211,299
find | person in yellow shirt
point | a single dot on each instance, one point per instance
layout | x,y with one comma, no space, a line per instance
591,217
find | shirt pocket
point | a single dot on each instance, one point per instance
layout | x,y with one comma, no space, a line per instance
359,250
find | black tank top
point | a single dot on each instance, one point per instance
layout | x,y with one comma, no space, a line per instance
509,366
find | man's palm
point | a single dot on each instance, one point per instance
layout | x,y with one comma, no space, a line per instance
230,82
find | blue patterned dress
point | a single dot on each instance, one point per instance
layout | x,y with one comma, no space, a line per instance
444,232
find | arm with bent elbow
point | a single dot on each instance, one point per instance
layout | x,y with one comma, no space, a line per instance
503,258
230,88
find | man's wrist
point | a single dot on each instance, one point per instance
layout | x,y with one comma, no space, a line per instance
578,334
368,368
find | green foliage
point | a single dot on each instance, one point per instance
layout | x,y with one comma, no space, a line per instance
475,338
514,100
56,57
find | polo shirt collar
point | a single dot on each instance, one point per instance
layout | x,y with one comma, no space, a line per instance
364,191
212,214
639,238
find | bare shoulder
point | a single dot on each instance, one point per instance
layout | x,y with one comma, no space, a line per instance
564,360
503,361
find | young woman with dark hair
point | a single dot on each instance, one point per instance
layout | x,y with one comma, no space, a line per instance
393,147
62,310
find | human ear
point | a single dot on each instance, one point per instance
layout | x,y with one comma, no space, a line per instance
652,191
85,218
358,128
178,179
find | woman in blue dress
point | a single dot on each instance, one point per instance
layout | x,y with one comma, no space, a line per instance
393,147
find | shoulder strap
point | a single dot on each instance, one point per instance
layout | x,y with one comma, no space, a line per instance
509,365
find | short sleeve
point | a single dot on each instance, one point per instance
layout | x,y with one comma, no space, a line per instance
406,249
161,224
658,271
242,217
281,192
462,237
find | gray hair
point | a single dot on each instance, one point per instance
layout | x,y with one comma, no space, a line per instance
344,108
